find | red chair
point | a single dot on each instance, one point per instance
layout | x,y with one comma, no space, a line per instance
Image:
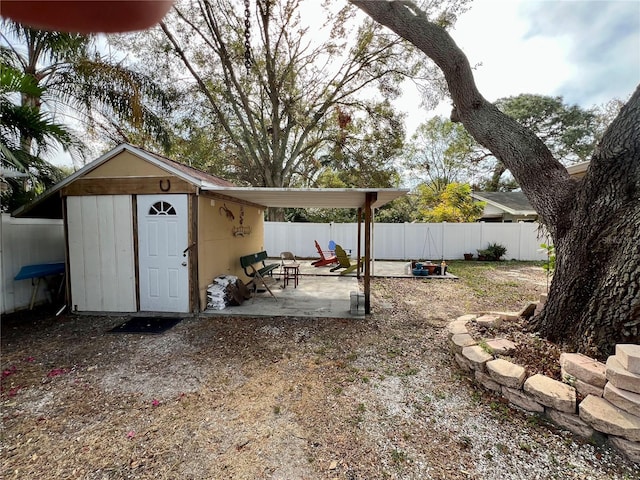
326,258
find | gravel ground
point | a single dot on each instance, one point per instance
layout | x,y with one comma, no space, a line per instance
278,398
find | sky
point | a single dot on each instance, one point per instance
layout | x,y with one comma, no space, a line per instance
586,51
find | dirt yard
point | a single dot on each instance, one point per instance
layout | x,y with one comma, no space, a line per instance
279,398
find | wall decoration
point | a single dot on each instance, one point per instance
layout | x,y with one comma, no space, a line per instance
226,211
241,231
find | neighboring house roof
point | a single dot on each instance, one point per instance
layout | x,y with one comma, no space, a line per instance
514,203
578,170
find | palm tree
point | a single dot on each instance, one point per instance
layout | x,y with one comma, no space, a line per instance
108,98
20,122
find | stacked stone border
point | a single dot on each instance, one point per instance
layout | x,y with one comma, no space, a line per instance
610,411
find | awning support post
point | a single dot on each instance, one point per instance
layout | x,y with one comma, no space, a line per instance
369,199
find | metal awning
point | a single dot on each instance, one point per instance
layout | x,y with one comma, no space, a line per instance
364,199
310,197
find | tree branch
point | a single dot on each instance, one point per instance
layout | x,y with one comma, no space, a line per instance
550,188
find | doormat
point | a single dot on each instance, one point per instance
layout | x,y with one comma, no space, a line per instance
146,325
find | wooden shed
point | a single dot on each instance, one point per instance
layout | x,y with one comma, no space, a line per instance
145,233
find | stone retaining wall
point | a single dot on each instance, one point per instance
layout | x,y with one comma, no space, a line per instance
611,406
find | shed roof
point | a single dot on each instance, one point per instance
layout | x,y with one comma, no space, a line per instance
195,174
311,197
48,204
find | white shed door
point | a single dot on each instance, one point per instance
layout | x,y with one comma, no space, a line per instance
162,240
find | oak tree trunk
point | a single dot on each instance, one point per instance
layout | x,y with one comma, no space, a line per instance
594,299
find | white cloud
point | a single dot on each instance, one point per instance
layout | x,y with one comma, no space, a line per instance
585,51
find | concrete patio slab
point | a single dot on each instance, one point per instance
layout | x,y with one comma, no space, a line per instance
315,296
320,292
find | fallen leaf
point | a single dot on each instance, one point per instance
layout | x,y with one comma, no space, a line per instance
56,371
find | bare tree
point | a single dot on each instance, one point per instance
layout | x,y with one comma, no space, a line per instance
276,92
594,299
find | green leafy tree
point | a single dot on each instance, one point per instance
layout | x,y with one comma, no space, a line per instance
18,122
567,130
454,204
441,152
365,150
593,301
110,100
400,210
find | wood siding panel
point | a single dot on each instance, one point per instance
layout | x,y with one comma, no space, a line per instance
125,253
101,253
106,250
76,254
91,252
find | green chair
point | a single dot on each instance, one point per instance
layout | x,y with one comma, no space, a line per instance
345,262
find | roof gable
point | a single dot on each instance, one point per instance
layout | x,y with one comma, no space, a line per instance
46,206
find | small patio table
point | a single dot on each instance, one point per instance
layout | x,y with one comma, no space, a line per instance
291,272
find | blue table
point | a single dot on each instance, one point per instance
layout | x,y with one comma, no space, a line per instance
39,271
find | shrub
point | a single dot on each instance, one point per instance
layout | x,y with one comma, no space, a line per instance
495,251
550,266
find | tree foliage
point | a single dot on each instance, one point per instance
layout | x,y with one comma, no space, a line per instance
366,150
24,121
453,204
75,80
568,131
441,152
280,103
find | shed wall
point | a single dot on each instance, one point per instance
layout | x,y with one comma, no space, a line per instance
219,251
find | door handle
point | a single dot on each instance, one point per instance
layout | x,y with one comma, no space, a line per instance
184,264
184,252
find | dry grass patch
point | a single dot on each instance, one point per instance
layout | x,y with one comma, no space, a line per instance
276,398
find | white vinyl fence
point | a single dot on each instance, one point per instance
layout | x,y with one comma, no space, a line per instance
26,242
409,241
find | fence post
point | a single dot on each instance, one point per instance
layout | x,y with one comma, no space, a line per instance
521,224
404,241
